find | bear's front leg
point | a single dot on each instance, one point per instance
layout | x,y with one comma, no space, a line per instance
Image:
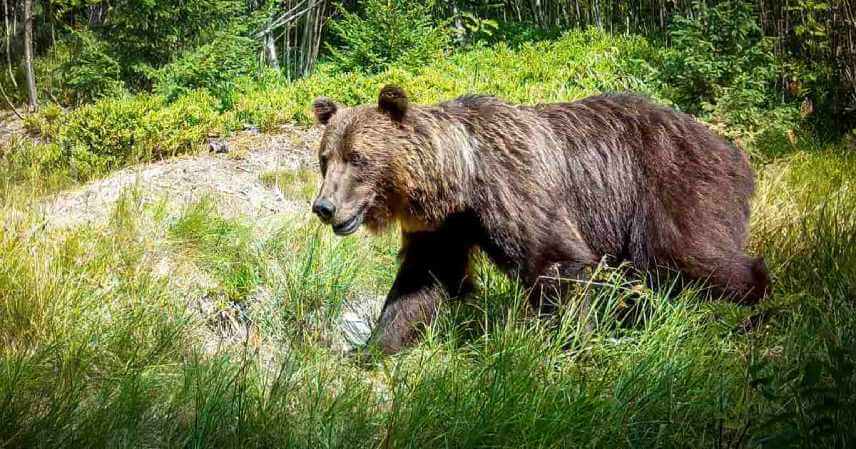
434,267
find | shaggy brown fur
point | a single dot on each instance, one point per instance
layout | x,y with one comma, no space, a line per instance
544,190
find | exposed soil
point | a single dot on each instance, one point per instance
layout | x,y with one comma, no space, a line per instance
10,125
231,179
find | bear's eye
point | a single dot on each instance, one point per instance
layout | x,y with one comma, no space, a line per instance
355,159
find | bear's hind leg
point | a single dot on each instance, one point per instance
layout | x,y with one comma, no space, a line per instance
740,278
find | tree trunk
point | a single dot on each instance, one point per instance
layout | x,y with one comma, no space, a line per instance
33,104
458,24
270,50
8,43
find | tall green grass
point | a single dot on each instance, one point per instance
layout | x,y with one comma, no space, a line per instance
103,347
187,328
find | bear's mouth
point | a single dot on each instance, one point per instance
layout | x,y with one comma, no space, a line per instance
350,225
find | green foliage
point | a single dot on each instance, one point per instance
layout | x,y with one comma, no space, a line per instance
516,34
812,31
578,64
131,39
46,121
79,69
387,32
819,393
474,29
810,74
114,132
721,66
146,35
182,125
215,66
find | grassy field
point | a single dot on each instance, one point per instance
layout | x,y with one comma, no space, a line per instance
101,344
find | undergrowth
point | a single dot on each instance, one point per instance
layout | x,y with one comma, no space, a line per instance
113,132
102,346
121,334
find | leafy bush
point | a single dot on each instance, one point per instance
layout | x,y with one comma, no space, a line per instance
215,66
721,67
148,34
819,394
79,69
144,35
46,122
473,29
516,34
578,64
182,126
401,32
99,136
113,132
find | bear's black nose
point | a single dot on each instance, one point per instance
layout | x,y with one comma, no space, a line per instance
324,209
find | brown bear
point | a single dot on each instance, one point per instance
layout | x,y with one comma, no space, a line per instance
545,191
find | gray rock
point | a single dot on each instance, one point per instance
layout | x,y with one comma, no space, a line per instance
358,319
219,146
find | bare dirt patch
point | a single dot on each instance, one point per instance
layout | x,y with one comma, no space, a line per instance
10,125
232,179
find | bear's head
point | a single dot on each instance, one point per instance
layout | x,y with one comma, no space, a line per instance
363,160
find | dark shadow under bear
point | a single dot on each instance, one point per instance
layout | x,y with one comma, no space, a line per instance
545,191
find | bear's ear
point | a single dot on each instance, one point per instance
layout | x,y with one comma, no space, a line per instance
393,102
324,108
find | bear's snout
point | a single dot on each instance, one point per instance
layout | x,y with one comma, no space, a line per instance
324,209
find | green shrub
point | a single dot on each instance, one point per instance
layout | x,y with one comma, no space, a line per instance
46,122
79,69
103,135
215,66
716,49
182,126
471,28
578,64
722,68
147,35
114,132
385,32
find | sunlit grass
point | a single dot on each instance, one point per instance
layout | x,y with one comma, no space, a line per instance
301,183
102,346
